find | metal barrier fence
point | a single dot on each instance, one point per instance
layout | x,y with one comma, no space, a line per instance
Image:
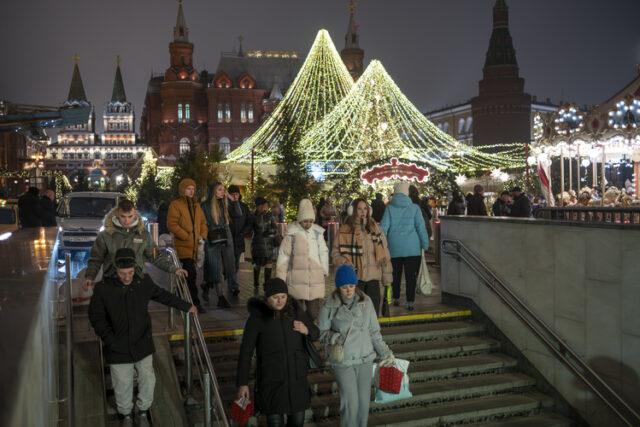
613,215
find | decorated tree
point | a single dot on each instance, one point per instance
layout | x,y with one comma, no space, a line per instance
320,84
200,166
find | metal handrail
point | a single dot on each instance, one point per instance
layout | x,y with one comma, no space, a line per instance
206,373
69,341
555,343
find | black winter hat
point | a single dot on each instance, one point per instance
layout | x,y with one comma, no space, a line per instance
233,189
260,201
125,258
275,286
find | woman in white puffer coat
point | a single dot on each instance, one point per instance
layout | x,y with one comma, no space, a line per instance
303,260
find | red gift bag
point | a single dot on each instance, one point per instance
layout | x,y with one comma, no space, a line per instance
390,379
241,410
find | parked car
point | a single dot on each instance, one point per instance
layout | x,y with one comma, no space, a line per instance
9,221
80,218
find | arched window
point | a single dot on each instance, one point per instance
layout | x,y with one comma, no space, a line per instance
96,155
460,126
446,127
251,113
225,145
179,112
220,113
440,126
185,146
187,112
243,113
227,112
469,123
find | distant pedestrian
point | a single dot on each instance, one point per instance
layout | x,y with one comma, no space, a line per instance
29,210
303,260
362,244
239,224
502,205
348,318
219,259
277,211
319,207
407,236
328,212
521,207
457,206
119,314
276,329
377,207
163,212
475,205
264,243
48,209
186,221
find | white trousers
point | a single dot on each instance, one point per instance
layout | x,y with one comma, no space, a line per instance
122,380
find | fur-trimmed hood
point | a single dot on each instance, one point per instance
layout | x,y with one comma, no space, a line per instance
257,306
111,223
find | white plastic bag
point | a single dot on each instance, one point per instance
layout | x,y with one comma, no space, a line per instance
384,397
200,254
423,282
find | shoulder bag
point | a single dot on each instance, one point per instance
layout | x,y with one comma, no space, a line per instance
336,351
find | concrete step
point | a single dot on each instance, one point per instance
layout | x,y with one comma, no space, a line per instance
430,331
440,349
465,411
540,420
454,389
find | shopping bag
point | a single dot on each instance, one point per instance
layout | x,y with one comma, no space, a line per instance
404,393
200,254
424,280
390,379
241,410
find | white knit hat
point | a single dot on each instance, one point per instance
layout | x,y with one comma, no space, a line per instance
401,187
305,210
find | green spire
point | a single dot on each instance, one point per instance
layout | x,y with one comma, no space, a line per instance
76,91
118,94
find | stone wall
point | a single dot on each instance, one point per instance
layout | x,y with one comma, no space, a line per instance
582,280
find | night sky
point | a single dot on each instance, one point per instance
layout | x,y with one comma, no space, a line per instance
578,50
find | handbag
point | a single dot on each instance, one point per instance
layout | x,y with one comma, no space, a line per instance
386,397
218,235
424,280
315,360
336,351
241,410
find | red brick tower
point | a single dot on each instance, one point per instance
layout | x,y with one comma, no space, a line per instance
352,55
502,110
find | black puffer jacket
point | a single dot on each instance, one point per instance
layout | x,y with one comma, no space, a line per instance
521,207
263,244
239,223
282,362
119,315
476,205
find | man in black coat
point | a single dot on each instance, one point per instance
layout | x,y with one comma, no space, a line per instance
239,224
476,204
502,206
48,209
118,313
29,208
377,208
521,207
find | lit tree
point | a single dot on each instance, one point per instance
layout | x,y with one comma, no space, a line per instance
320,84
200,166
376,122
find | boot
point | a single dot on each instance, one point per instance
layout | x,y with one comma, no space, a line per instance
267,274
143,419
126,420
205,292
256,277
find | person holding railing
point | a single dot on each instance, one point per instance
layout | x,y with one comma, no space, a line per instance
119,314
277,328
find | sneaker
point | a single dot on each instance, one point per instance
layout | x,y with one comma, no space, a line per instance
396,302
410,306
222,302
126,420
142,419
201,309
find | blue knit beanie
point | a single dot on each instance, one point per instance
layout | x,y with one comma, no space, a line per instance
346,275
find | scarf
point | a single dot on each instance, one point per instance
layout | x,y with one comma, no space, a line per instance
351,247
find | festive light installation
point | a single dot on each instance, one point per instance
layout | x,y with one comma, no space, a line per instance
626,115
320,84
395,170
376,122
568,120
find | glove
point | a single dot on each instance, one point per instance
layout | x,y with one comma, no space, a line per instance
390,360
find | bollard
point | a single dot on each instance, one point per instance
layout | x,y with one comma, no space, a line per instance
187,351
207,399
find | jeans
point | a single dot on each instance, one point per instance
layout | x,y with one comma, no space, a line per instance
293,420
190,265
372,289
410,264
122,380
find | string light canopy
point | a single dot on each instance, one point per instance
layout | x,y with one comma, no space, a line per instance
376,122
320,84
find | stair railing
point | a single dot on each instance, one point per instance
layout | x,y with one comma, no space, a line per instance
555,343
196,350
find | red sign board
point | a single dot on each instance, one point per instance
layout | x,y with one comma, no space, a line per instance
395,170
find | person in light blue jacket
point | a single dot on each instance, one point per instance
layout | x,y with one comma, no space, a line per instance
407,235
348,318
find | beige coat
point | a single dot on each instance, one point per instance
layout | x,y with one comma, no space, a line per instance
305,268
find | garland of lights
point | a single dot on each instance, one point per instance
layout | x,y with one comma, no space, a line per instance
320,84
61,181
376,122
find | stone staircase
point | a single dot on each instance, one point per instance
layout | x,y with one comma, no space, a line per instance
458,375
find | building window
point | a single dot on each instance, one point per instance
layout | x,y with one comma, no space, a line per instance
187,112
445,128
251,113
227,112
220,113
179,112
185,146
96,155
243,113
225,145
128,156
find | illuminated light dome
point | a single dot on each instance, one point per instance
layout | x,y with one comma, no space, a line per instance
320,84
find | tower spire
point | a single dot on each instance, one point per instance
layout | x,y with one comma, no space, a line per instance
352,39
501,51
76,90
118,94
180,31
240,52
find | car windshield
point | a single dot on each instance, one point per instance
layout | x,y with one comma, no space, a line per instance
89,207
7,216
